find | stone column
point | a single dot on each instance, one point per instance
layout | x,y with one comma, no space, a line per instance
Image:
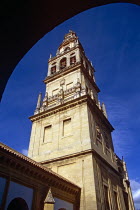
48,206
38,103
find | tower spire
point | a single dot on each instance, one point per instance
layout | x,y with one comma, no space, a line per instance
38,103
104,110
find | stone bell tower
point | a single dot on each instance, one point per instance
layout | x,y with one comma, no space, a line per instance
72,135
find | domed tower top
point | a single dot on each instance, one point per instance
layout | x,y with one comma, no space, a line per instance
70,41
72,67
70,35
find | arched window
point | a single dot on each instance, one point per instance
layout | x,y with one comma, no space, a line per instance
53,69
63,63
67,49
72,60
18,204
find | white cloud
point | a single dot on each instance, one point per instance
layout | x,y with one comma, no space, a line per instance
24,152
135,186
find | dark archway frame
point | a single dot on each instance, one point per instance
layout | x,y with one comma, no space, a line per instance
18,203
27,22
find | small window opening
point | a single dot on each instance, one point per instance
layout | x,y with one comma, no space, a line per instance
116,200
72,60
47,134
67,127
106,198
53,69
63,63
67,49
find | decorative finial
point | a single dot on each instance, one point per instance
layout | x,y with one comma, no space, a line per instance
57,52
50,56
104,110
38,106
99,104
39,101
49,198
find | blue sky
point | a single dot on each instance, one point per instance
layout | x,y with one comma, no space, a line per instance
110,36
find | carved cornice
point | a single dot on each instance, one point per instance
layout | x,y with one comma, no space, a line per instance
59,108
81,153
85,98
70,69
66,157
62,54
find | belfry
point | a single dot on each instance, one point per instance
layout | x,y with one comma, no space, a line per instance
71,134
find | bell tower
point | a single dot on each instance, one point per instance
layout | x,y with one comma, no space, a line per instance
72,135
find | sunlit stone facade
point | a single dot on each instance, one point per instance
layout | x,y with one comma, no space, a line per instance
72,135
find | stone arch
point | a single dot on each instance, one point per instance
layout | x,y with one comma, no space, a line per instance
17,30
63,63
18,204
67,49
72,59
53,69
62,209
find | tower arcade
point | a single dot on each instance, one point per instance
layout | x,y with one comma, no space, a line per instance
72,135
